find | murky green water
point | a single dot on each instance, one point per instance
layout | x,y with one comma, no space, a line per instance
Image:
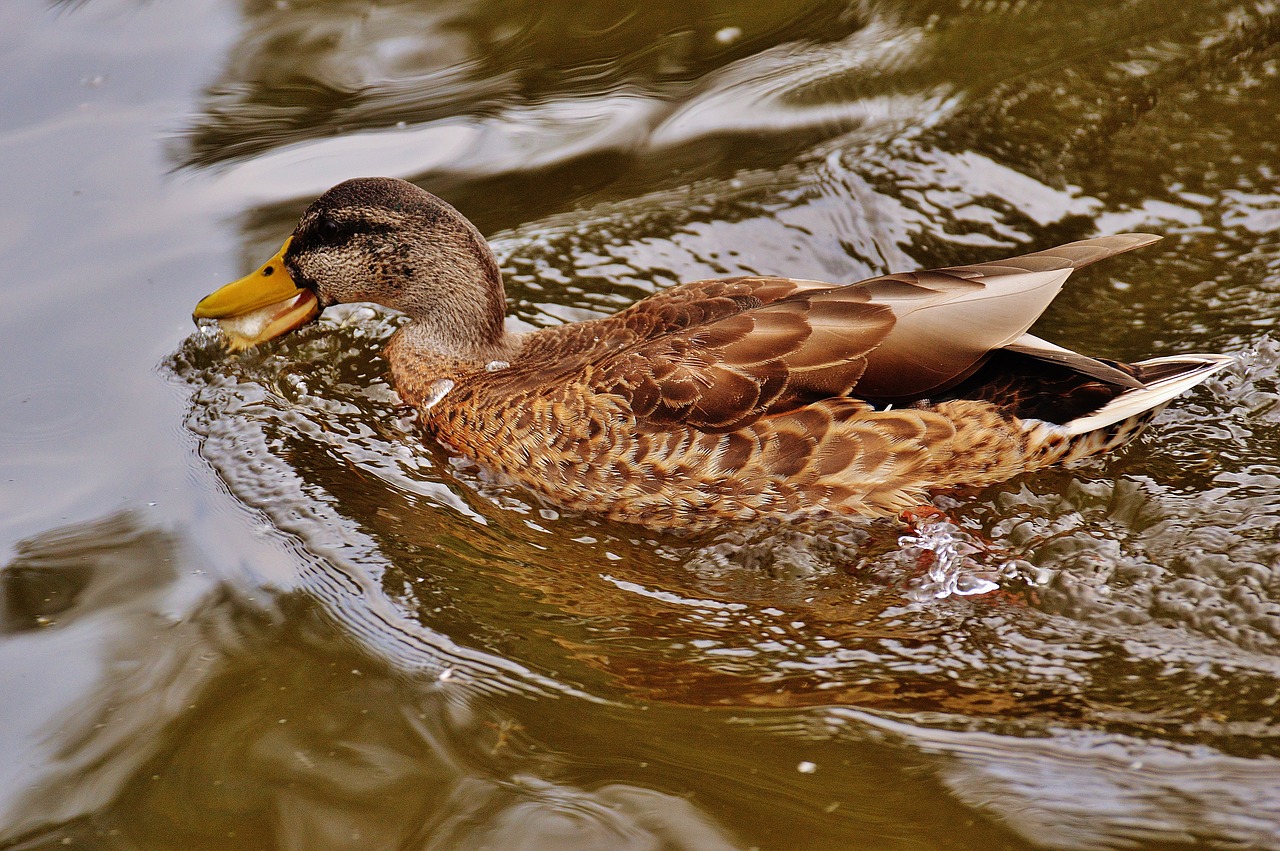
243,606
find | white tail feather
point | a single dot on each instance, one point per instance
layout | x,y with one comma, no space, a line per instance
1157,393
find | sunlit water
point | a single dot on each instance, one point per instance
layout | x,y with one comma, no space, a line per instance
247,606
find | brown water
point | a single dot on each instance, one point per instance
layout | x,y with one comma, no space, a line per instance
243,606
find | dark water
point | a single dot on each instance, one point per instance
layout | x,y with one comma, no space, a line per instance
243,606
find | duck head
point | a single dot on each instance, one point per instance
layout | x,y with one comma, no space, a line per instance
378,240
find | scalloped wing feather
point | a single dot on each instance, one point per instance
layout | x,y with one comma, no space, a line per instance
726,374
718,355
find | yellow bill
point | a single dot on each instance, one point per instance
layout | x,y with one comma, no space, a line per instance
260,306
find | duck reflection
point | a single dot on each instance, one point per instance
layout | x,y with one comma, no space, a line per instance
768,617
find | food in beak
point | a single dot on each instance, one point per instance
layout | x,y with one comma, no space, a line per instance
263,304
266,323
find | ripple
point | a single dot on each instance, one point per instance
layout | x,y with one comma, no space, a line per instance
49,411
1128,637
274,430
1090,791
1090,575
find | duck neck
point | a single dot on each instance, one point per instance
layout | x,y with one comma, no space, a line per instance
461,312
448,354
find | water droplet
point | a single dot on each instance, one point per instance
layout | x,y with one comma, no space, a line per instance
968,586
495,365
807,767
728,35
439,388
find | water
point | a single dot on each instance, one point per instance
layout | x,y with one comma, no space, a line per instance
243,605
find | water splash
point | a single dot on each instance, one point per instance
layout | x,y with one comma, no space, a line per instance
950,553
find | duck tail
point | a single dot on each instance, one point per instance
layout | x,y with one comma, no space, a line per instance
1162,379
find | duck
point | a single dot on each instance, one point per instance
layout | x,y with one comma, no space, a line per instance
738,399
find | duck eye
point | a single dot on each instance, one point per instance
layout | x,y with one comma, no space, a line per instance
327,229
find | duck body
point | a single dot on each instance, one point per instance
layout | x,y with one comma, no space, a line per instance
732,399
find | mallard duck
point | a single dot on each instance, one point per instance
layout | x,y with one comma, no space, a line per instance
732,399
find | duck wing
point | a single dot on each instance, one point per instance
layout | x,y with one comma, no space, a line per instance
718,355
770,345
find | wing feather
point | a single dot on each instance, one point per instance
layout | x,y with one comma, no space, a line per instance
719,355
809,342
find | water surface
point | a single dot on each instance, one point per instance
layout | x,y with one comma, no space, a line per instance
243,605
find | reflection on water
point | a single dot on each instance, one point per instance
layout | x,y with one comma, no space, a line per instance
228,721
84,608
1089,791
444,662
418,63
1106,622
524,106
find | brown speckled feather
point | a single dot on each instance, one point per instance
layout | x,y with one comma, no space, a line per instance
748,396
